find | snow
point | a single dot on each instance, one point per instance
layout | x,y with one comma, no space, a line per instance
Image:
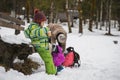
100,57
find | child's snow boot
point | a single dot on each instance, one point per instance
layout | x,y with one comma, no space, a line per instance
59,68
78,65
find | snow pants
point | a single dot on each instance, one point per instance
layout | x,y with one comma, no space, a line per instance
48,60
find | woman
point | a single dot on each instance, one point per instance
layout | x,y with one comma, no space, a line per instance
39,38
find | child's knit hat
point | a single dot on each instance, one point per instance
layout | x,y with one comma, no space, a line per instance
39,16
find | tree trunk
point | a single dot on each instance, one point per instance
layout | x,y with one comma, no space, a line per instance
101,12
91,15
14,6
72,25
51,12
90,25
80,17
118,18
109,14
27,10
115,23
97,19
32,7
118,25
56,17
68,17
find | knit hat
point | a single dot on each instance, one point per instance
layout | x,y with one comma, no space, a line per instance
39,16
69,49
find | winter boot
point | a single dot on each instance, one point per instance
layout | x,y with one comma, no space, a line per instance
78,65
59,68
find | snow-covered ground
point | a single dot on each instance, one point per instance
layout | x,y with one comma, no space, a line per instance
100,57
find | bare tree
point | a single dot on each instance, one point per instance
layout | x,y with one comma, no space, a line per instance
51,11
80,16
91,15
101,13
27,10
109,16
32,7
68,17
97,18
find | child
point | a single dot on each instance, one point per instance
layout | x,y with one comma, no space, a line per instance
58,57
71,58
39,39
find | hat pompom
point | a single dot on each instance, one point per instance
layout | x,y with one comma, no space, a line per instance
36,11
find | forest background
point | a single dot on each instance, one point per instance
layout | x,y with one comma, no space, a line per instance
96,11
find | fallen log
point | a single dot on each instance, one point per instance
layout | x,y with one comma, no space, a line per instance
10,25
12,19
8,53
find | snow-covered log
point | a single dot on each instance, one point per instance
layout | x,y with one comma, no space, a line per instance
8,53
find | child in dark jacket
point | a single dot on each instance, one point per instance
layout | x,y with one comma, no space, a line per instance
71,58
